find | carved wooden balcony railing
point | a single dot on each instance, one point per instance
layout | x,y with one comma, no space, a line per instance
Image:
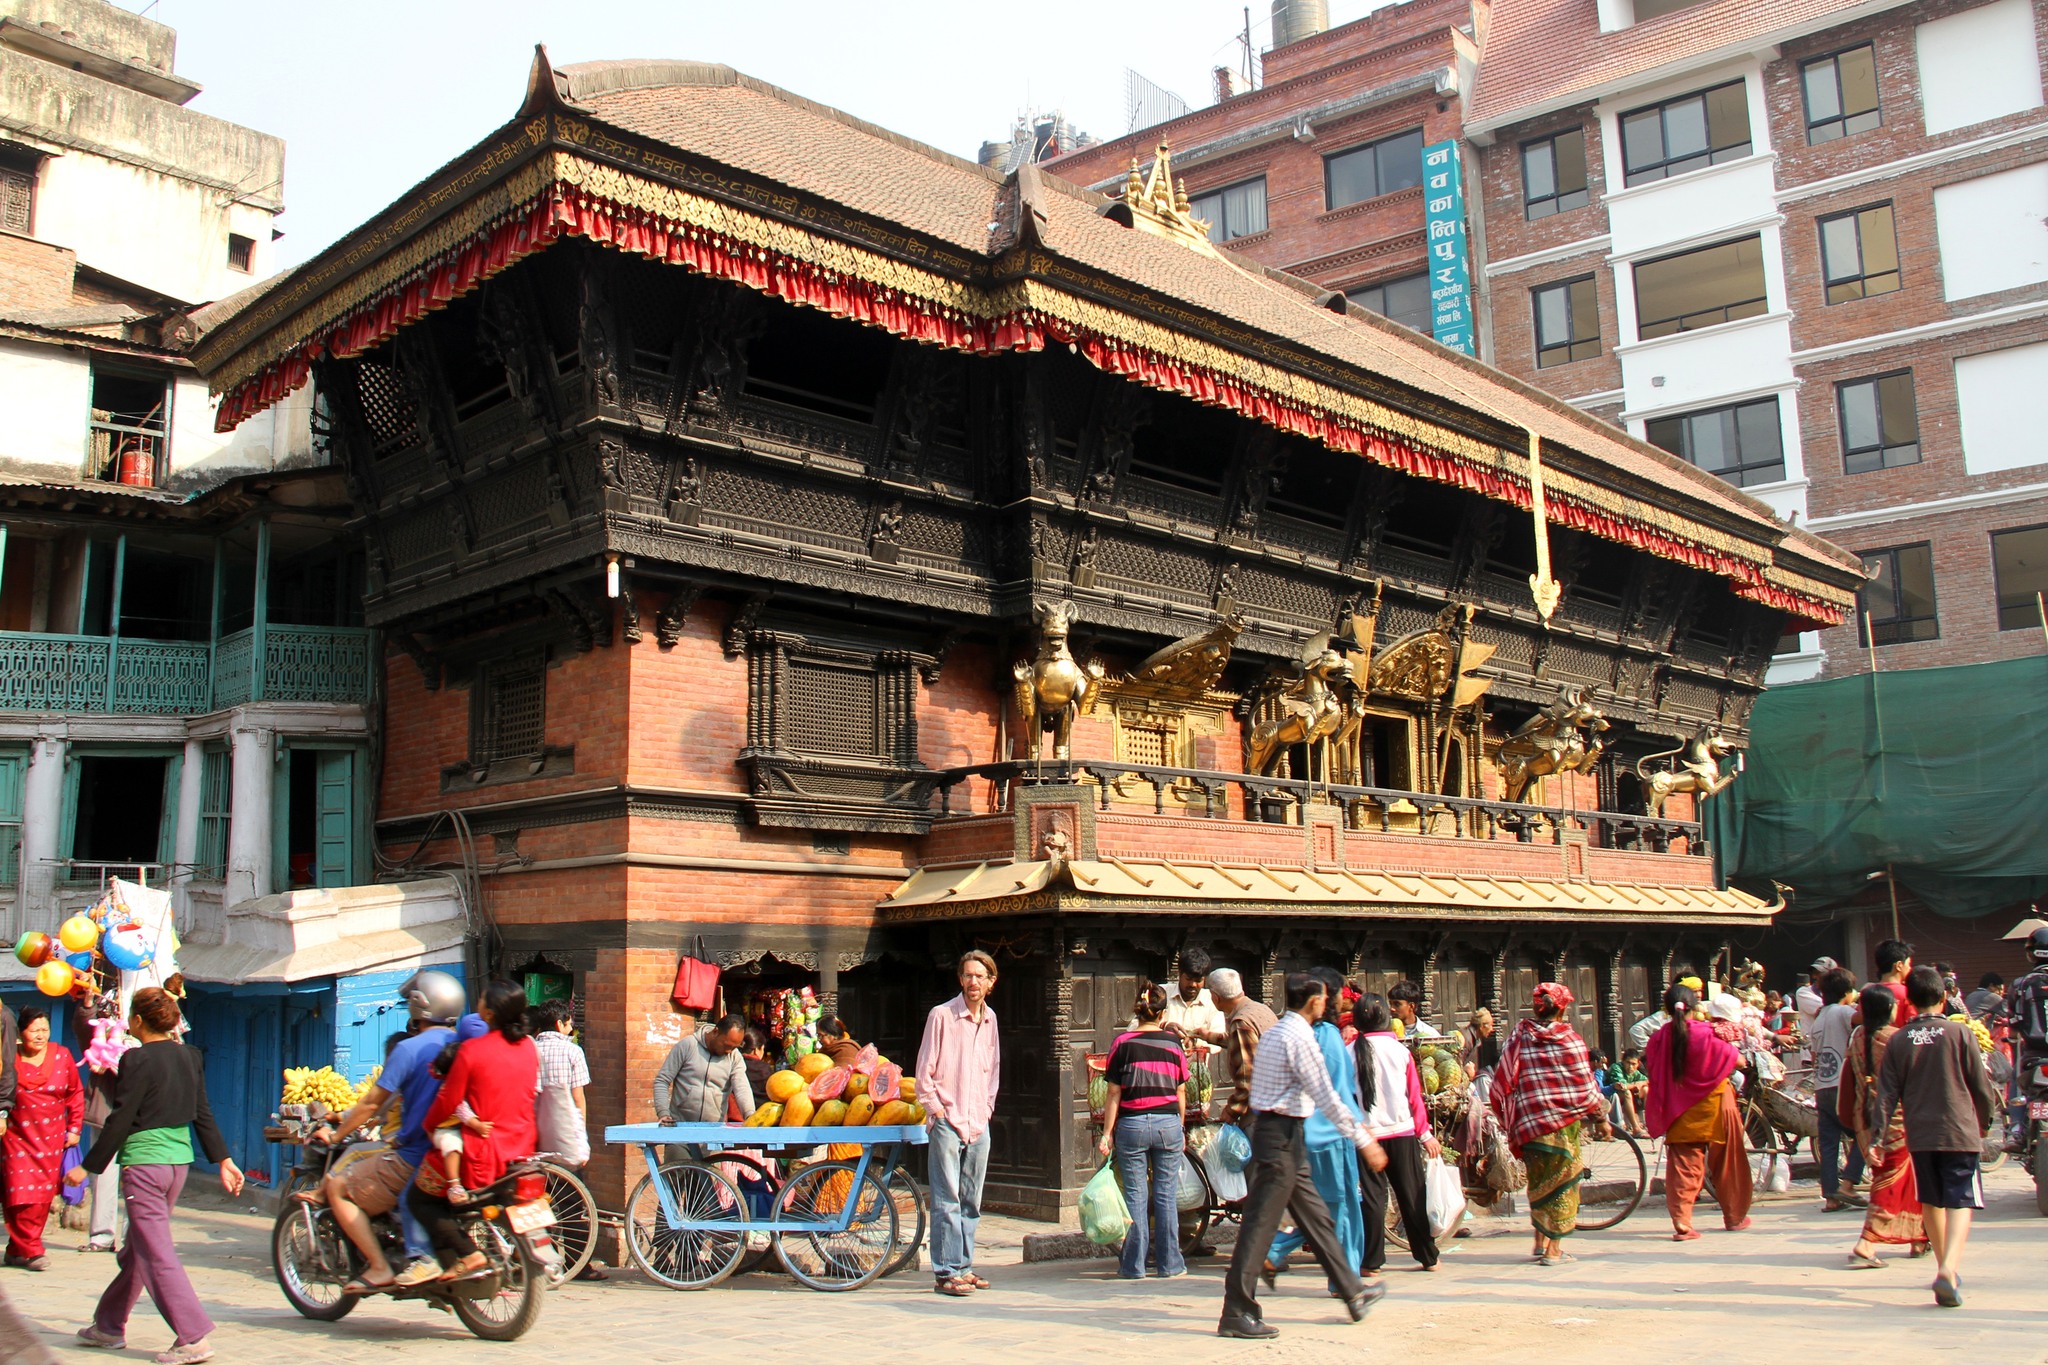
1205,794
116,674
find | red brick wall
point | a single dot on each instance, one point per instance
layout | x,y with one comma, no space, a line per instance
687,706
628,1027
35,274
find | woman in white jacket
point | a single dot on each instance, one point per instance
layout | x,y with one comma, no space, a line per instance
1396,1114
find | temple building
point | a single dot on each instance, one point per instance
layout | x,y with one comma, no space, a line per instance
804,550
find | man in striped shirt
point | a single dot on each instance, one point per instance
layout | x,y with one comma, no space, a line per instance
1289,1082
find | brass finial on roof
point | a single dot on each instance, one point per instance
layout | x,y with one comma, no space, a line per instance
1159,205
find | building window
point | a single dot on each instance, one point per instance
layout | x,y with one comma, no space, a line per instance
1567,322
1234,211
13,770
216,800
508,710
2019,563
1393,163
123,814
1880,423
1685,134
1695,289
1859,253
1741,443
1405,301
17,199
1554,173
1841,94
1898,601
241,252
129,436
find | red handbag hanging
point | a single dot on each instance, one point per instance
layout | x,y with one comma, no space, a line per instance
696,982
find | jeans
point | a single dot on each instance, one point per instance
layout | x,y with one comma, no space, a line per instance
1148,1157
417,1244
958,1168
1832,1138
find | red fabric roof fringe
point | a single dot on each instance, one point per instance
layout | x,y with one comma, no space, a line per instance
569,210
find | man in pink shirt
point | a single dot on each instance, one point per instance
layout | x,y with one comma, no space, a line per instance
959,1065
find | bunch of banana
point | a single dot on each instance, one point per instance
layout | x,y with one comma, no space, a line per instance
306,1085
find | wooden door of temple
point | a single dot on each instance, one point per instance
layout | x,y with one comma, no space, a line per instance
1582,979
1103,996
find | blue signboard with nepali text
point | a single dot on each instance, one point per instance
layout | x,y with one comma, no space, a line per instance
1450,278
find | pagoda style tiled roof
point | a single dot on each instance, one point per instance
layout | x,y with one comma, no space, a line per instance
1541,55
704,167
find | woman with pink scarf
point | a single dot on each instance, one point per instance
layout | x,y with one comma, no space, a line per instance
1692,1107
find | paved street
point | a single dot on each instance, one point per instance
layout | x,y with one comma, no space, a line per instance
1633,1295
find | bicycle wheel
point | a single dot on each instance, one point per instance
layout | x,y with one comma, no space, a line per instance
910,1218
757,1178
694,1257
1617,1178
825,1256
1757,1132
575,1230
1397,1226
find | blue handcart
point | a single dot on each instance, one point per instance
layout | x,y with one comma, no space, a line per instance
716,1204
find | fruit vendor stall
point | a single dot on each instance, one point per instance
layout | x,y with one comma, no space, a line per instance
815,1177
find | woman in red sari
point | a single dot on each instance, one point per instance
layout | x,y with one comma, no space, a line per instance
49,1108
1894,1215
1692,1107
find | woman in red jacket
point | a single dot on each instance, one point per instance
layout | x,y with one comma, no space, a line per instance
496,1075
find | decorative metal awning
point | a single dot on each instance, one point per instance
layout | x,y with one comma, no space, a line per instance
1120,885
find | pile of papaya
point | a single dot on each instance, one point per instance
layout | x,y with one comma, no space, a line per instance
813,1093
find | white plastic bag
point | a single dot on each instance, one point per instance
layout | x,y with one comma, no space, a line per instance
1445,1197
1228,1183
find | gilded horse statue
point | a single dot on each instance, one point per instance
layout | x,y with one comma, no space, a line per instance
1051,688
1305,709
1698,770
1563,737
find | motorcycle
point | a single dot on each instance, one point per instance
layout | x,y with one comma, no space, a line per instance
508,1221
2030,1143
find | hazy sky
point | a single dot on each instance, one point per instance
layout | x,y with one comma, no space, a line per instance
371,95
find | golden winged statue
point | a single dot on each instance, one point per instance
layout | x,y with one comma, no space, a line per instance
1051,688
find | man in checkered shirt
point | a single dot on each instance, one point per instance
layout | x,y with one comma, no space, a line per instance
558,1108
1290,1080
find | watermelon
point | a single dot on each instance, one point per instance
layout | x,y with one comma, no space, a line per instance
829,1084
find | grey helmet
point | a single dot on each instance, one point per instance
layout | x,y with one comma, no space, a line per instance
434,998
2037,945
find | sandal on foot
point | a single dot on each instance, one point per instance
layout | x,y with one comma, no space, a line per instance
1742,1226
1947,1292
361,1285
1558,1258
959,1287
1689,1235
1859,1261
975,1280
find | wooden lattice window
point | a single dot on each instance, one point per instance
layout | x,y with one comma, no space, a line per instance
216,800
834,708
508,710
17,199
388,407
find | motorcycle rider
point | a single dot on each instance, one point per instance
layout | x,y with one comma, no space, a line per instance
2026,1006
376,1184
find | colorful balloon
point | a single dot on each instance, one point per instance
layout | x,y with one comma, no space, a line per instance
78,934
32,949
80,962
55,978
128,950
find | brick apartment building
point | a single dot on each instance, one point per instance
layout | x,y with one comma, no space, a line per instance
1318,171
1803,244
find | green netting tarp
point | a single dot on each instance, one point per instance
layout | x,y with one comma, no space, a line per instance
1940,773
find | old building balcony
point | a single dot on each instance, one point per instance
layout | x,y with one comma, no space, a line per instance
1139,808
116,674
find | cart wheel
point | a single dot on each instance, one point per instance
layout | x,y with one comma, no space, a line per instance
910,1218
698,1254
850,1228
575,1230
757,1179
1194,1222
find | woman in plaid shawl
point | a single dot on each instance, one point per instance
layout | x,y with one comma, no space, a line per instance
1542,1092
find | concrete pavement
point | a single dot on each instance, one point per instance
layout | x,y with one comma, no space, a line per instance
1633,1295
